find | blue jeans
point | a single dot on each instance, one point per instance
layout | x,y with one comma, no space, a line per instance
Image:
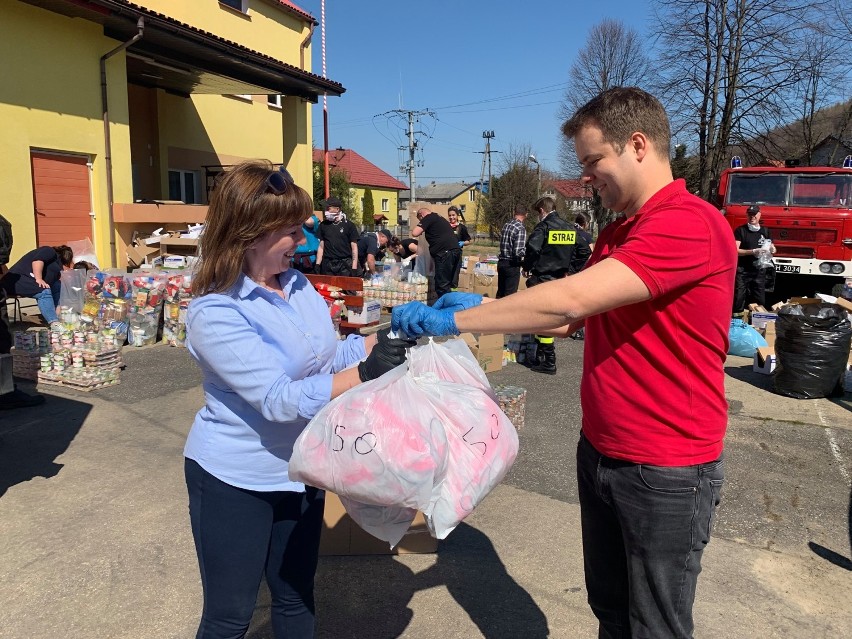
47,299
241,533
644,531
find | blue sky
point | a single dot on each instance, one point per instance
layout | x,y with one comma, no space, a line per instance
462,60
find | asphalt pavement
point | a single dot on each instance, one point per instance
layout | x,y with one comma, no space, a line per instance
95,539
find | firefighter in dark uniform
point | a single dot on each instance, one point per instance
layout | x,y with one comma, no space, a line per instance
549,252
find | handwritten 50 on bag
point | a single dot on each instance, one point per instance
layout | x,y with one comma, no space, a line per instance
483,443
471,445
378,446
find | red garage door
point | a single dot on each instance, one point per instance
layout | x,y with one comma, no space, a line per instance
62,198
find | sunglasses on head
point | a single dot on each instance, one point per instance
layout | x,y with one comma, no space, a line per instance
279,180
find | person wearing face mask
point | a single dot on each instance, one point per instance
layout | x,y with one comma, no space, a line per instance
549,252
751,239
337,253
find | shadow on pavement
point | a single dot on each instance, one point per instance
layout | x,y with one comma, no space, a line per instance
32,438
368,597
749,376
830,556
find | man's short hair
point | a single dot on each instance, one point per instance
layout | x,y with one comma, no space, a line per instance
334,201
547,203
580,220
619,113
521,209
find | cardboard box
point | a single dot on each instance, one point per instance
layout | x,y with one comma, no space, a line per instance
137,255
342,536
466,280
769,334
488,350
760,319
764,360
174,261
485,285
178,245
485,268
370,312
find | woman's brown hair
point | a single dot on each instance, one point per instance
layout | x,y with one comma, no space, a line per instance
242,209
66,255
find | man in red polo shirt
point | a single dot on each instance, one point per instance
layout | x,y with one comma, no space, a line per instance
655,301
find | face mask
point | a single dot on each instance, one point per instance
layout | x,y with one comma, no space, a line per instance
753,227
332,216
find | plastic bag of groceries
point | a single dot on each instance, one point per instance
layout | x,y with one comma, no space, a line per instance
451,361
378,444
410,440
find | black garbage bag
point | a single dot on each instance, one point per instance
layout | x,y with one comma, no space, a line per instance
812,346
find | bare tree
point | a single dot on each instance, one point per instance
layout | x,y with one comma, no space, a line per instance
516,184
729,71
613,55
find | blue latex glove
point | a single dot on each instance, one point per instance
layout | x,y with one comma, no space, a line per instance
457,302
461,244
415,319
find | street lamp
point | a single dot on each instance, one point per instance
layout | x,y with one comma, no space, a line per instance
538,173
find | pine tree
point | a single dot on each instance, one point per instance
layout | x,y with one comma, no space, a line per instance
369,209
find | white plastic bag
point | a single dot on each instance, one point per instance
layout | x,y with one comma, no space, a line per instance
410,440
378,444
482,445
451,361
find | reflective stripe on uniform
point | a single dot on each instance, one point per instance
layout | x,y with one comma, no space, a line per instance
541,339
561,237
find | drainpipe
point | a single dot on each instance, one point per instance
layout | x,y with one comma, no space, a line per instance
304,44
140,25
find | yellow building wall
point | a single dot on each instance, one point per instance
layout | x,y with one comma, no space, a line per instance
233,129
463,199
61,112
50,101
358,192
265,28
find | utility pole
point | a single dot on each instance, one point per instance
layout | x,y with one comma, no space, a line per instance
412,146
486,160
409,166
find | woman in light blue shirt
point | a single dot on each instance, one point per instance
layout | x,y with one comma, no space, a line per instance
264,340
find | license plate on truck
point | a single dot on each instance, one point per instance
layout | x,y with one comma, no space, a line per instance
787,268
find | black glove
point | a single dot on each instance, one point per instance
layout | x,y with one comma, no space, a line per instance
386,354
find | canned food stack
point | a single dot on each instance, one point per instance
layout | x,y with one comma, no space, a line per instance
81,378
29,346
512,401
80,357
391,292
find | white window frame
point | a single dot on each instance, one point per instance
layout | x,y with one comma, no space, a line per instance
274,100
471,195
385,205
242,96
196,196
243,6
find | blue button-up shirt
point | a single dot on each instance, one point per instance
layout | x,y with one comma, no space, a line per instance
268,366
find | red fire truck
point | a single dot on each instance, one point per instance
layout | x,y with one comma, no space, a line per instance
808,211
